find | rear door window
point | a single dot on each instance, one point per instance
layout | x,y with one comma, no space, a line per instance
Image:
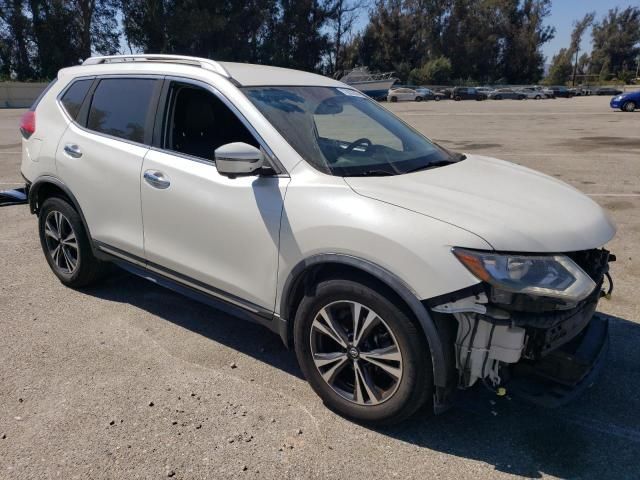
74,96
122,107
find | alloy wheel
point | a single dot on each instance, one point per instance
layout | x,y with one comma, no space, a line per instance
61,241
356,352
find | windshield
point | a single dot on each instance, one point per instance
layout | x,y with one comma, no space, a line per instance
341,132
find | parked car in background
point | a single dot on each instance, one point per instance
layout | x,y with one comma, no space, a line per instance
447,92
404,94
485,90
608,91
467,93
507,93
560,91
545,90
428,94
582,90
532,93
627,102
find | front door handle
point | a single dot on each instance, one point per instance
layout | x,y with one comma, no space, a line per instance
156,179
72,150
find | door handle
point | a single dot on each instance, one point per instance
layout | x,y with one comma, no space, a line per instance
72,150
156,179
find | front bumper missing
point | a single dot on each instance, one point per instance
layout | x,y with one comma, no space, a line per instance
565,373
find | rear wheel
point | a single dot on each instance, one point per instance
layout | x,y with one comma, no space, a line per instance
437,99
628,107
394,99
362,354
66,245
457,98
538,97
418,99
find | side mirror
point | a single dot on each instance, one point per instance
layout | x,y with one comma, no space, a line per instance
238,158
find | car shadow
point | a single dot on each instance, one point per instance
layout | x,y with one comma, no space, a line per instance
595,436
219,326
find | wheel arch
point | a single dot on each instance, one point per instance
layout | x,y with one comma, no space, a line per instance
309,271
48,186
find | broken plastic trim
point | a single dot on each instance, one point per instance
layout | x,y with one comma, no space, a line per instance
17,196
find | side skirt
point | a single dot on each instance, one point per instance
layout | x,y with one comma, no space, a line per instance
188,287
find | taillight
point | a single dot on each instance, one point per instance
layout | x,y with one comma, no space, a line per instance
28,124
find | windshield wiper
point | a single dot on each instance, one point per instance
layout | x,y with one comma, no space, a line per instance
373,173
431,165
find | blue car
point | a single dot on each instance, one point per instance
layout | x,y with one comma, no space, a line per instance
627,102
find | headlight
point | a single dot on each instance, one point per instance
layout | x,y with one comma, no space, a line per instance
619,97
555,276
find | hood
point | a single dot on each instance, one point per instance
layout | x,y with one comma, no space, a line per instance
511,207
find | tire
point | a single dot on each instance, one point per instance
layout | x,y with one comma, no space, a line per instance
418,99
497,97
394,99
628,107
74,264
437,99
457,98
538,97
393,399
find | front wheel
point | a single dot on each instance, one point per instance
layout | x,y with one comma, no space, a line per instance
362,354
418,99
629,107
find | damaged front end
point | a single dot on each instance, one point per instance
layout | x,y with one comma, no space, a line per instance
529,326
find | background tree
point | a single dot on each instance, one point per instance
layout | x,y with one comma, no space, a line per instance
616,43
484,40
565,63
434,72
342,17
15,36
297,36
523,33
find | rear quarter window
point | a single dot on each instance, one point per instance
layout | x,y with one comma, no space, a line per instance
121,107
74,96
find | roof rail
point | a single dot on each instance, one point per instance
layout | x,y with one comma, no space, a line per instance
205,63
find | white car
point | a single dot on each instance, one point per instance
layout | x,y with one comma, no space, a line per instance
532,93
399,271
404,94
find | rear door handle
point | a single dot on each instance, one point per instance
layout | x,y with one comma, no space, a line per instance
156,179
72,150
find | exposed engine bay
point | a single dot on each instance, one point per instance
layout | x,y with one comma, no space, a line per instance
502,335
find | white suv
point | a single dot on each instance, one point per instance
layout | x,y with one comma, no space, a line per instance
399,270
